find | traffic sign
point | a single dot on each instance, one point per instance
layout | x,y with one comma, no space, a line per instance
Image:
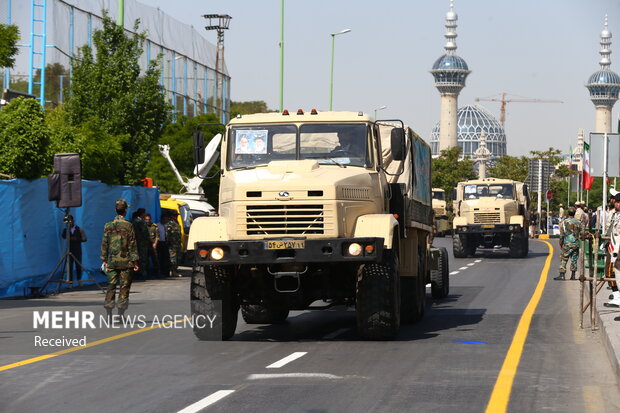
549,195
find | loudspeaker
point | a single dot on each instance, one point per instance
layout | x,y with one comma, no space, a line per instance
65,185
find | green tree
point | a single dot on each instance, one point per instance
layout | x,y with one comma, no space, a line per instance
24,139
9,35
246,108
109,92
510,167
179,136
448,170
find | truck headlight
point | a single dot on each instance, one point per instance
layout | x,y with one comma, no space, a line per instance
354,249
217,253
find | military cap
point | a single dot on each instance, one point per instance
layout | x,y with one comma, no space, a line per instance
561,205
613,192
121,203
617,197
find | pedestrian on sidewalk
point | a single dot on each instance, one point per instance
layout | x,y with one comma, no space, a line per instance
570,232
613,233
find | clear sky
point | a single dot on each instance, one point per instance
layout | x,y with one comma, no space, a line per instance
544,49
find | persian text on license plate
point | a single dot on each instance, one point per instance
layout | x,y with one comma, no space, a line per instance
285,245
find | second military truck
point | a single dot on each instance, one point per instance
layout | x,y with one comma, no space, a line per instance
489,213
314,206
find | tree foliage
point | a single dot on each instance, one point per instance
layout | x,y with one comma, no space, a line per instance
448,170
24,138
179,136
510,167
110,95
246,108
9,35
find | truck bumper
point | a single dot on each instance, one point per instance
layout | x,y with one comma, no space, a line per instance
288,250
488,229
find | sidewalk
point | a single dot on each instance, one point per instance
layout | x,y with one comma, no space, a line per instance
608,321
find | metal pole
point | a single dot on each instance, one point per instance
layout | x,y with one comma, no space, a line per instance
185,86
31,60
331,75
61,87
540,188
121,13
7,70
281,55
605,150
548,215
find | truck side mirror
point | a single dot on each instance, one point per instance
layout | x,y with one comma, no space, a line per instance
199,148
397,141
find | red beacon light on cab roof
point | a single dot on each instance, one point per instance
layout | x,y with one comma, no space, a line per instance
314,112
285,112
300,111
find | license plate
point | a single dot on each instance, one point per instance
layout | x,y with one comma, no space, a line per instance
285,245
488,226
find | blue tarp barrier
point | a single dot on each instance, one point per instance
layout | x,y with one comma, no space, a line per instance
30,236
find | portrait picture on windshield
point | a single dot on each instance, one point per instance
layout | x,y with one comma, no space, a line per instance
251,141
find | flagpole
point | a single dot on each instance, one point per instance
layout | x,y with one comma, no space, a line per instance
570,173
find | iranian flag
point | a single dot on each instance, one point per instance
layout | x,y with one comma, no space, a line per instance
587,179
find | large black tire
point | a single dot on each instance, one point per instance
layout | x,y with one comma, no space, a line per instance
518,246
440,278
526,244
378,298
409,300
260,314
212,284
459,246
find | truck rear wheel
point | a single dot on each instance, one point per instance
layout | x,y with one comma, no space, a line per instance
378,298
440,278
459,246
214,283
260,314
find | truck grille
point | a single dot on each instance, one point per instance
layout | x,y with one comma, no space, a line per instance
487,218
284,219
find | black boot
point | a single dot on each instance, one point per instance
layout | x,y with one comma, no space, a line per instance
560,277
109,314
572,275
121,314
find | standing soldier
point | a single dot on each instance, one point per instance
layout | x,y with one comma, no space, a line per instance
561,213
613,232
153,240
585,217
173,237
570,231
119,255
142,240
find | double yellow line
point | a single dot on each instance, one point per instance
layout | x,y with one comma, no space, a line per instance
503,386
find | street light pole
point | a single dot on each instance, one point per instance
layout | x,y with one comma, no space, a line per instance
281,55
331,75
378,109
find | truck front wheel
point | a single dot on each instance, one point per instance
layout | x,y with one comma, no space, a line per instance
260,314
214,283
378,298
440,278
459,246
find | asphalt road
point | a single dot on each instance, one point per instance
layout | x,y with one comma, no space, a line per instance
449,361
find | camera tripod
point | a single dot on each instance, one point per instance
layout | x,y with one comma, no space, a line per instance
65,264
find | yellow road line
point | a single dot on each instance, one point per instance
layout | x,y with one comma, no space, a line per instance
503,386
593,399
94,343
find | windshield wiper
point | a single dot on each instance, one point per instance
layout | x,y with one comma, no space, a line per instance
327,158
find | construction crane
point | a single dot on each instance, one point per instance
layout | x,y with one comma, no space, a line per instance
503,100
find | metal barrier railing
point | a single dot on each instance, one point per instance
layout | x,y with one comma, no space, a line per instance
600,271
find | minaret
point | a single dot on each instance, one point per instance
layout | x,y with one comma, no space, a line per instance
604,85
450,72
482,155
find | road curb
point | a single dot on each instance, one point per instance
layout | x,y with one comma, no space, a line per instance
611,333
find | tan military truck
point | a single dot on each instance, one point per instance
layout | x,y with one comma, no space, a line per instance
315,206
490,212
442,224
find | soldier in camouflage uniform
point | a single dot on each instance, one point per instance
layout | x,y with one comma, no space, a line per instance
173,237
142,240
570,232
153,261
119,255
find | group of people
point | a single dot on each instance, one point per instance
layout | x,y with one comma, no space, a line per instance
131,249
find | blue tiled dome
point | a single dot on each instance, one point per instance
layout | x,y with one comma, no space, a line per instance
450,62
471,120
604,77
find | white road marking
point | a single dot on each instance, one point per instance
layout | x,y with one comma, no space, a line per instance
478,261
463,268
287,360
471,263
454,272
207,401
428,285
293,375
335,334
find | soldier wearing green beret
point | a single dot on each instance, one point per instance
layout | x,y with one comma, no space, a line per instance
119,255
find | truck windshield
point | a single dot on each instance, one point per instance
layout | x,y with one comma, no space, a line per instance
439,195
503,191
330,144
